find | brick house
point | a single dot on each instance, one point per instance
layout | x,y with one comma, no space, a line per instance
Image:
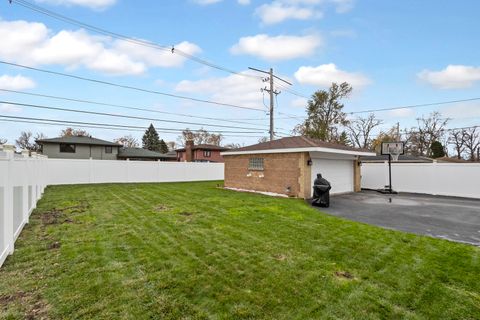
290,165
200,153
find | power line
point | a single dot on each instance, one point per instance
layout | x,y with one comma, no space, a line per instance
105,128
120,106
117,126
118,115
128,87
122,37
414,106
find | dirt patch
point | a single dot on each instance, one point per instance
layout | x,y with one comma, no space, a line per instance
279,257
344,275
6,299
63,215
34,306
54,245
185,213
161,208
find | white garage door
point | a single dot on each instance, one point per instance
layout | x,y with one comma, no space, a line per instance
338,172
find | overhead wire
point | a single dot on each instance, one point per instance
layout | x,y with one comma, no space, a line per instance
121,106
128,87
36,106
108,125
122,37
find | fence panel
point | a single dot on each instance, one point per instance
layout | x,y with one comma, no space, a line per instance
23,179
446,179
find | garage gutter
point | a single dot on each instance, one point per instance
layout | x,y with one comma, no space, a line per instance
292,150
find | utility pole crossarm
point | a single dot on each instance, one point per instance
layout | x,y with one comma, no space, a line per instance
272,92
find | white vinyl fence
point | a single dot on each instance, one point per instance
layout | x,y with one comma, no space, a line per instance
446,179
24,178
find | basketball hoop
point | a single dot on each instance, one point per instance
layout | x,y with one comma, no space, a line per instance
393,150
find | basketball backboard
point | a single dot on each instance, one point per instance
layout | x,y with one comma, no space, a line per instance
393,149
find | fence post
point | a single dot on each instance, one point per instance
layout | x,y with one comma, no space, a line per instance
25,178
8,200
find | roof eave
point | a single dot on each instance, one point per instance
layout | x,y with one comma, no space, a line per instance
292,150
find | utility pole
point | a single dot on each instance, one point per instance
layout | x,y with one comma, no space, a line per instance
272,92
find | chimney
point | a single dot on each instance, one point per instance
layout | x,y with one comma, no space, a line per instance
189,150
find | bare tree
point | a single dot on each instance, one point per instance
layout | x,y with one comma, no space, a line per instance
27,142
69,132
385,136
263,139
172,145
128,141
233,145
457,139
429,129
472,142
200,137
360,130
3,141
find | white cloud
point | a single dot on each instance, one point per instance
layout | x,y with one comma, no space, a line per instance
17,82
325,74
299,102
233,89
206,2
452,77
277,12
93,4
158,58
281,10
277,48
9,108
34,44
402,113
466,110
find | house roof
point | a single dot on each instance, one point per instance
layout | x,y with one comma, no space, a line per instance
297,144
205,147
143,153
453,160
401,158
79,140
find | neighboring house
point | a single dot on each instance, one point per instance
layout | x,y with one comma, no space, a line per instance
200,153
73,147
140,154
290,165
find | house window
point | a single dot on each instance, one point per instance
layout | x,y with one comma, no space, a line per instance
67,148
108,149
207,153
255,164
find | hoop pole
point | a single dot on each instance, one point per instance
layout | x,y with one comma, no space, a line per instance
390,173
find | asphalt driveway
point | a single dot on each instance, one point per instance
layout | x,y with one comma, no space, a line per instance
449,218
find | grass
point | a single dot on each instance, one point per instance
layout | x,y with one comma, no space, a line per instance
193,251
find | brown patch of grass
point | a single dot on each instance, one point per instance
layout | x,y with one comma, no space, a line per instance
33,304
344,275
62,215
161,208
279,257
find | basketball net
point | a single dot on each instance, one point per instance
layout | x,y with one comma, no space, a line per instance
394,153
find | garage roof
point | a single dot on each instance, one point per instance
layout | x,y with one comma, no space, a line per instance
298,144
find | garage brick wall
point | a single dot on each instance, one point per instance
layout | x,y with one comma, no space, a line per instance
281,170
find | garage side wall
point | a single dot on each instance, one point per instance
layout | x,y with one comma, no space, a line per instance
283,173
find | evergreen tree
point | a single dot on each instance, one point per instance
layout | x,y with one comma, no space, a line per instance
163,146
437,150
150,139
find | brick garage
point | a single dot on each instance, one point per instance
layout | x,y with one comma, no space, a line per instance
289,166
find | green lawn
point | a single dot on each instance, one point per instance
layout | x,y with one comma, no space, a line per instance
193,251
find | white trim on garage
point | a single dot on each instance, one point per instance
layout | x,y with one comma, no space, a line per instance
311,149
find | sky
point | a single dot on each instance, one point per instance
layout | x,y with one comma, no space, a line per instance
393,53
